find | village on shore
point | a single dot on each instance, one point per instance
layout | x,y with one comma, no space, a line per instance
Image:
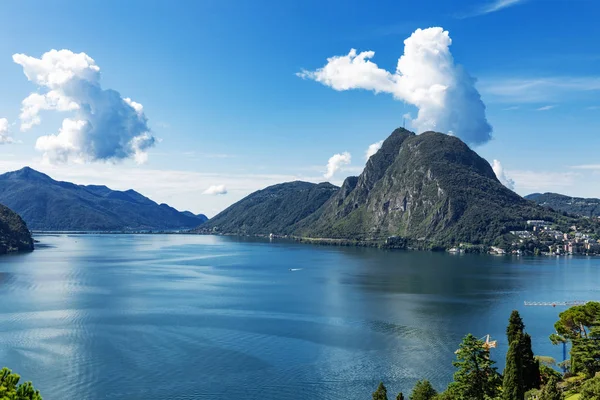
544,238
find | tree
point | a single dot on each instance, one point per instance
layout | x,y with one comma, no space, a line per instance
550,390
476,377
580,325
380,393
400,396
515,326
591,389
528,365
513,385
10,388
531,366
423,391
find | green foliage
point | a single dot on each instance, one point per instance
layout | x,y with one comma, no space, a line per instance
550,391
476,377
400,396
520,362
423,391
277,209
515,326
513,385
11,390
547,373
14,235
571,205
380,393
581,326
591,389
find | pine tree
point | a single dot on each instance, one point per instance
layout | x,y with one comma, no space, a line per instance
380,393
476,377
550,391
513,387
423,391
400,396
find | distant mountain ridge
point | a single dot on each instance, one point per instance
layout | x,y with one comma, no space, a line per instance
429,188
585,207
47,204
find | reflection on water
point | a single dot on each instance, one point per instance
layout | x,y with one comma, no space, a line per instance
193,317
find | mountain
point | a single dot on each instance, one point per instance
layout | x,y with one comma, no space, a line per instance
572,205
276,209
430,188
46,204
14,235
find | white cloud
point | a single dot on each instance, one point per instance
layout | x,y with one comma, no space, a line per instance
501,175
5,137
104,126
511,108
425,77
491,7
372,149
336,162
543,181
545,108
587,166
216,190
537,90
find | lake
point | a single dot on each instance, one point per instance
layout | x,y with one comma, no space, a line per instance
208,317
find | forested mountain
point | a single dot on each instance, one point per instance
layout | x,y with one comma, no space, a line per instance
572,205
46,204
276,209
14,235
430,187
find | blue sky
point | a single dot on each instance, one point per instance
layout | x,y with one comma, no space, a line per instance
218,85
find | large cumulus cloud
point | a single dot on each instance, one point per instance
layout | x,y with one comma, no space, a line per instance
426,77
102,126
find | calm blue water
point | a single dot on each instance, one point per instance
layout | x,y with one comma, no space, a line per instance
200,317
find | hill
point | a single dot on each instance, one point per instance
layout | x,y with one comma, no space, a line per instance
14,235
46,204
430,188
572,205
277,209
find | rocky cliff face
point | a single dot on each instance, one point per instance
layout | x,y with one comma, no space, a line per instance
430,186
14,235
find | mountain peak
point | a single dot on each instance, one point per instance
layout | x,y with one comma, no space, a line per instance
27,173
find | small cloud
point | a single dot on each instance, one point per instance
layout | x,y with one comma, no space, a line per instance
336,162
545,108
491,7
511,108
518,90
5,137
587,166
216,190
590,108
501,175
372,149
